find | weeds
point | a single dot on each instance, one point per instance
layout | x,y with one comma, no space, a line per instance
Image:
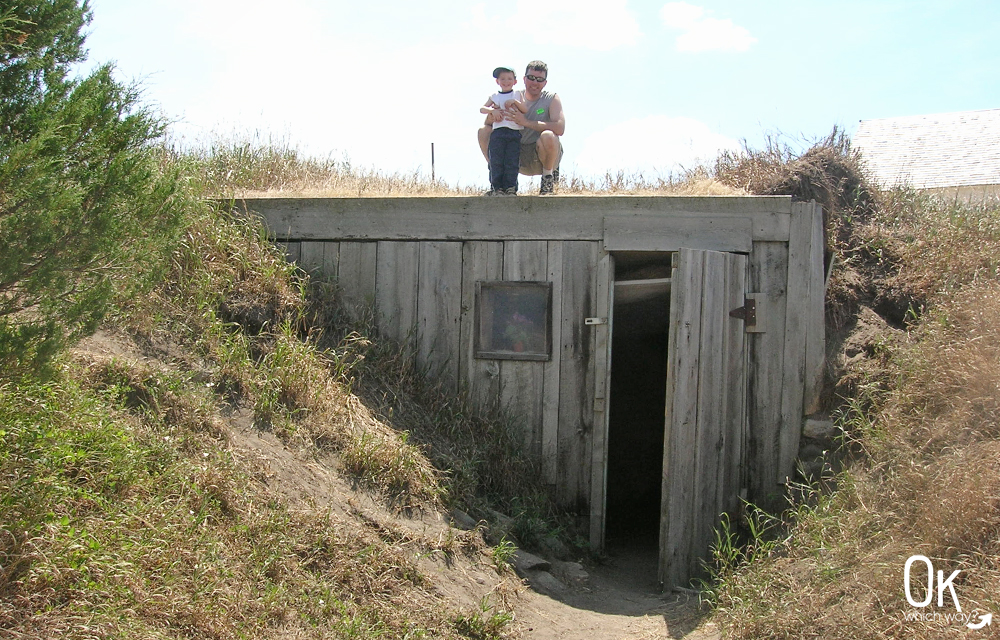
487,623
502,555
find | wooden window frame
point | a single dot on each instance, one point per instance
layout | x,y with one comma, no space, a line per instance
484,343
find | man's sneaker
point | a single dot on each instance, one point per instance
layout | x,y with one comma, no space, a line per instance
548,185
510,191
493,192
555,175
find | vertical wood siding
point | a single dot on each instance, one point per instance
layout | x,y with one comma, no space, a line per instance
522,381
424,293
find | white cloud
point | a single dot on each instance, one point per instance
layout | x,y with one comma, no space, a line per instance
701,32
654,145
601,25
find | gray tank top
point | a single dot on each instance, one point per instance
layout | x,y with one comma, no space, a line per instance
538,111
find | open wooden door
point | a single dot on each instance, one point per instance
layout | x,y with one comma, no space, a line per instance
704,435
604,306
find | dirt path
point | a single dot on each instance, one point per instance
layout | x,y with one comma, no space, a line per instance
616,599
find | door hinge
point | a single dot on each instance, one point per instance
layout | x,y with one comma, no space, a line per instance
747,313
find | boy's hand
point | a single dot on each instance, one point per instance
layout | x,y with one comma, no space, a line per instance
516,116
492,115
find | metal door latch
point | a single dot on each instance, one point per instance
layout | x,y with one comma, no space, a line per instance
596,321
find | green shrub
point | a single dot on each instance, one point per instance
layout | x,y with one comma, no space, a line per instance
86,205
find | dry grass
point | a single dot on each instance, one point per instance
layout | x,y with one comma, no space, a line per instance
123,513
249,167
480,454
697,182
157,533
828,172
930,485
922,424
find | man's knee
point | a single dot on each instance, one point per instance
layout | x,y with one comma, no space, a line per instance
548,138
484,139
548,149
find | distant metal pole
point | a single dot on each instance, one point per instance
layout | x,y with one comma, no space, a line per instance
432,162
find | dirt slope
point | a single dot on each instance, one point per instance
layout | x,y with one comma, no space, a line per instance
614,599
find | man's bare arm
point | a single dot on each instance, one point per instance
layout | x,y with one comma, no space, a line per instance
556,125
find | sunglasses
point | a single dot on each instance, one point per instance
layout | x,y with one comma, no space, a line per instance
534,78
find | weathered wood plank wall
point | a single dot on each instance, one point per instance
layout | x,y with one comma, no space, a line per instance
418,260
481,261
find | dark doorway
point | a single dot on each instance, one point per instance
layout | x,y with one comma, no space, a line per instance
637,398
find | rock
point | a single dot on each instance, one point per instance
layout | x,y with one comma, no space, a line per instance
462,520
819,429
554,548
545,582
810,450
571,572
500,527
811,470
525,562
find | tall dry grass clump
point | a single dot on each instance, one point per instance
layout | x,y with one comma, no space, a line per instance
248,166
829,172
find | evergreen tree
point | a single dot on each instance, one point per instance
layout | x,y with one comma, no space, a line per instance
86,202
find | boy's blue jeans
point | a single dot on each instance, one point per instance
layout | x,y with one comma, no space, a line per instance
505,158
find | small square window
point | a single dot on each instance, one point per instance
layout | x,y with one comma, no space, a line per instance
514,320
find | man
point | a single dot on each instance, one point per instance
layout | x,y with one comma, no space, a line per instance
544,123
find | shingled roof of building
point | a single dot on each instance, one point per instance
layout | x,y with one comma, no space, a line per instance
933,151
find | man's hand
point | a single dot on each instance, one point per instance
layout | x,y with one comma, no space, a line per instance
516,116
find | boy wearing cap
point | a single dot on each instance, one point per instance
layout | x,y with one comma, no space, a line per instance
505,139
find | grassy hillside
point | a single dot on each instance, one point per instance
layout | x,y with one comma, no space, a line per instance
230,457
135,500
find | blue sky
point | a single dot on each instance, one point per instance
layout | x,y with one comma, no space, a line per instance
646,86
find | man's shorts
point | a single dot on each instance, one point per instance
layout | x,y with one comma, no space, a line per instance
530,165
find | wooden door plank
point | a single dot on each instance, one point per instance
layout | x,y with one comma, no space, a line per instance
815,316
550,369
681,416
734,399
796,327
291,249
331,260
769,276
563,218
710,435
311,257
576,382
603,308
651,233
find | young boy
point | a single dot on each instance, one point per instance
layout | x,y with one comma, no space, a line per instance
505,139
